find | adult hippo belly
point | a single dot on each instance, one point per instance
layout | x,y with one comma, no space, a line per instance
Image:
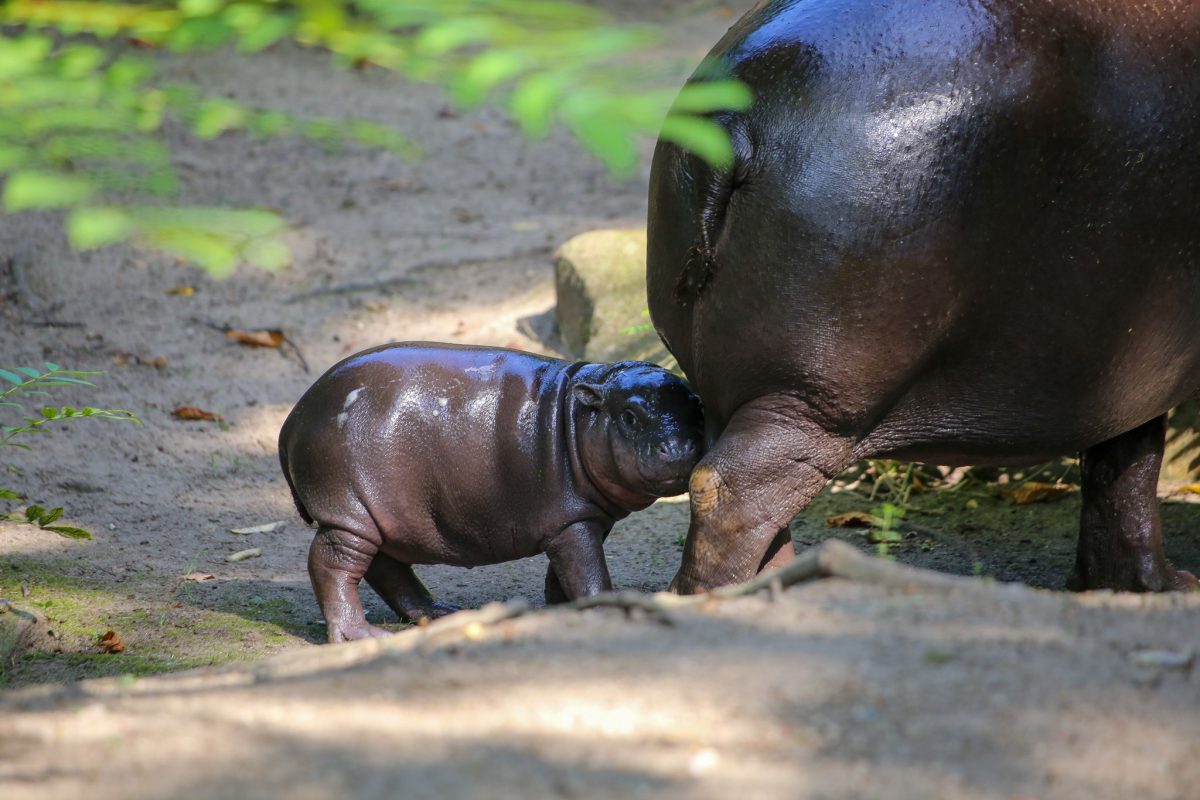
954,231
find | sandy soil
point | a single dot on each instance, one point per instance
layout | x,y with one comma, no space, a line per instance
838,690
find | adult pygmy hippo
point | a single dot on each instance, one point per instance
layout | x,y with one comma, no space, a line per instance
420,453
953,231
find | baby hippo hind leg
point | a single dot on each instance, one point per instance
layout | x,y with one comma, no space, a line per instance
337,562
770,461
403,591
1120,532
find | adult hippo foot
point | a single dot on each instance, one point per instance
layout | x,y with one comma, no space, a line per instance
769,462
1165,579
1120,532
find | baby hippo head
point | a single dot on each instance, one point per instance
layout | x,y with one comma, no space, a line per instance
642,431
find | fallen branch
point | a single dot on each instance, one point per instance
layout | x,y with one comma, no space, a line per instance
832,558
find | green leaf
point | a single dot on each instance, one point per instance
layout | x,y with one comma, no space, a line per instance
9,494
34,514
13,155
50,412
30,371
199,8
11,377
608,138
217,116
78,60
63,380
29,189
69,531
51,516
266,33
708,96
97,227
21,55
211,251
453,33
534,101
51,367
485,72
129,71
703,137
268,254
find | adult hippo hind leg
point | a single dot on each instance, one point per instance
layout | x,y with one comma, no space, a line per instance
1120,532
403,591
768,464
337,562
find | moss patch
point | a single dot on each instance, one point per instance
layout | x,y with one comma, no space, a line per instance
163,627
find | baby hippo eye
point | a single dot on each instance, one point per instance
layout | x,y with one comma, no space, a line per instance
630,419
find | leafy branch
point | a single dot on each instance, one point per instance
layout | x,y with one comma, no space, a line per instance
31,382
81,126
44,519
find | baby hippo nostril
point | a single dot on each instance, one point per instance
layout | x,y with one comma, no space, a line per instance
672,451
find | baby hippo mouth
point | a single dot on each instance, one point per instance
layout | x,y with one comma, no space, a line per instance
666,466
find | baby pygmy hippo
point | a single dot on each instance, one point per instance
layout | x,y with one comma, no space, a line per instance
421,453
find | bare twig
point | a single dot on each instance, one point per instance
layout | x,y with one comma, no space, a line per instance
656,605
16,268
287,340
354,287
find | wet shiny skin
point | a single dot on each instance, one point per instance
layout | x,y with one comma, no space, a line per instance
954,231
421,453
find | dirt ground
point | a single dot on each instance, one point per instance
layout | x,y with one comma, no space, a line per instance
838,689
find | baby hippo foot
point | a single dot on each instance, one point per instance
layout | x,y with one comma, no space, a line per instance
403,591
427,612
350,632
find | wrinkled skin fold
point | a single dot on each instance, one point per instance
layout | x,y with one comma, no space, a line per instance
957,232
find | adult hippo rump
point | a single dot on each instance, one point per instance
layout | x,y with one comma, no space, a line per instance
423,453
953,231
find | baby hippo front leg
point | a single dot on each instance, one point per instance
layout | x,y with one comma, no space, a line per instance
577,565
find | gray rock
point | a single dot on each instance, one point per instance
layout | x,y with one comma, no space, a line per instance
600,282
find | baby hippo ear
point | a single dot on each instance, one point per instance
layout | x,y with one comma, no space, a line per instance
589,394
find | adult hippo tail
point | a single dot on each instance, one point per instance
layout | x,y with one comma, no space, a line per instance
954,231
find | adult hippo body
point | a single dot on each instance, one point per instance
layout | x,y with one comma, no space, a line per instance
424,453
953,231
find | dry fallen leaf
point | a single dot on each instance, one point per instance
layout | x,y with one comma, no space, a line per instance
272,337
181,291
199,577
111,643
195,414
266,527
1192,488
242,555
1034,492
158,362
853,519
